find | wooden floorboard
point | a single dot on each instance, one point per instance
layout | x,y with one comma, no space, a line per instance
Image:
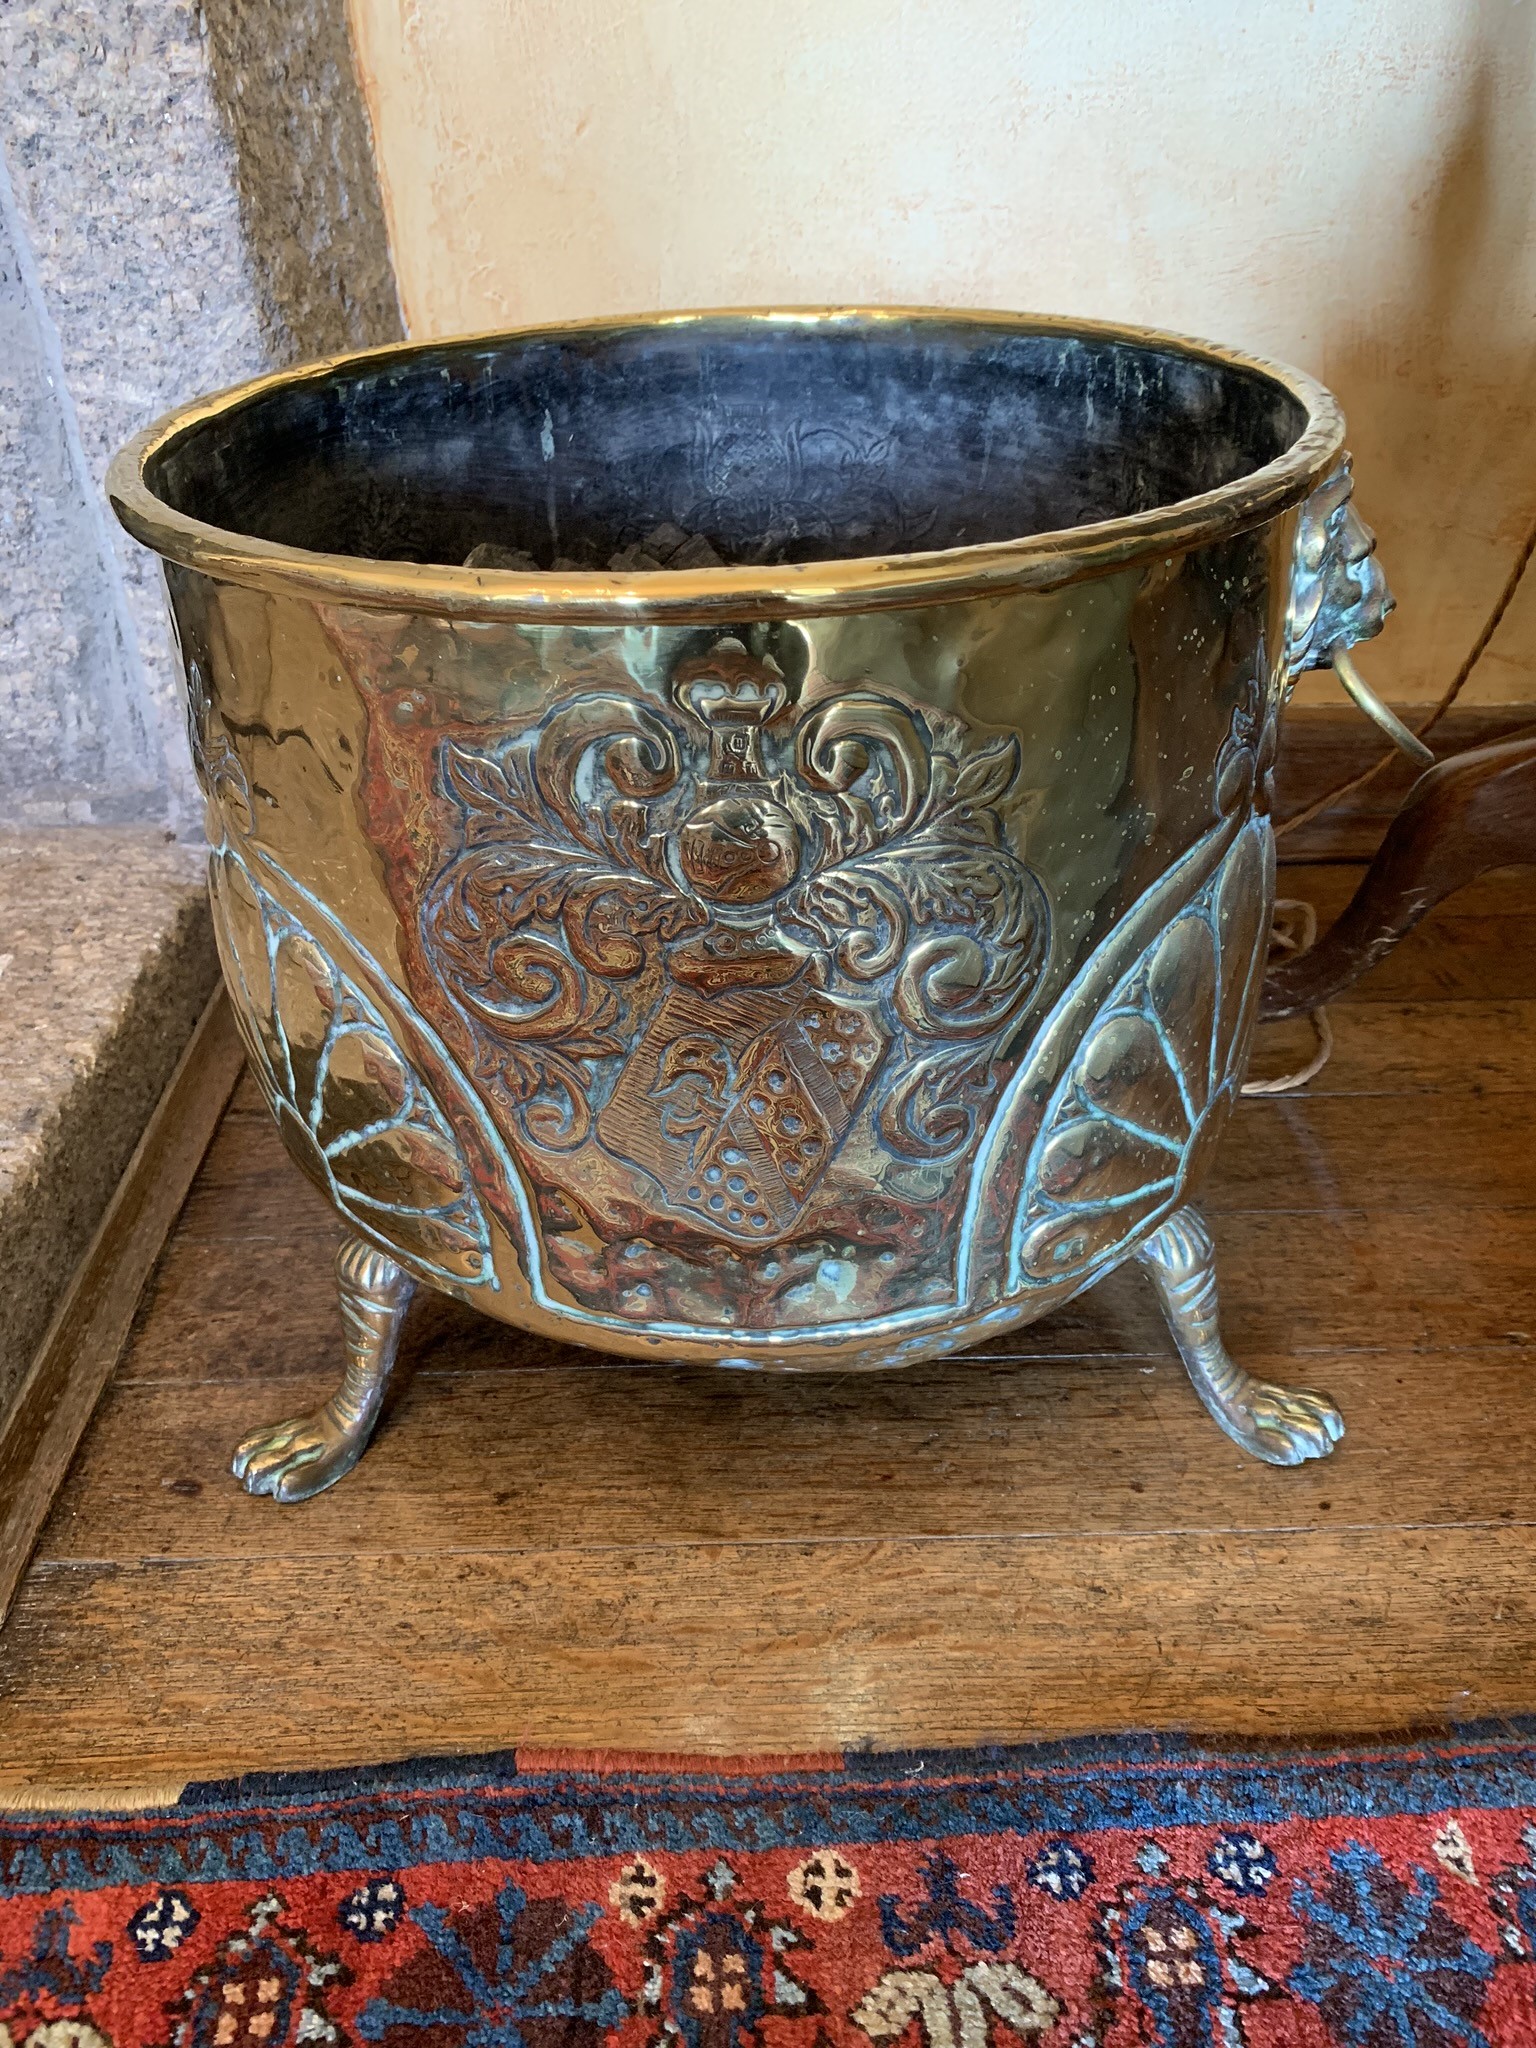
1047,1538
1444,1048
133,1674
490,1460
1328,886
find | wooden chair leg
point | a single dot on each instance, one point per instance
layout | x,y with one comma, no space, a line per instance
1466,815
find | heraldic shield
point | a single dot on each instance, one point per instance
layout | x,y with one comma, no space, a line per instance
694,952
736,1099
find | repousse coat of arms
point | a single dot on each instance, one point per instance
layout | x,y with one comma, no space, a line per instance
688,949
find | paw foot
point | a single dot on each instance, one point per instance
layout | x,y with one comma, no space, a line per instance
1282,1425
298,1459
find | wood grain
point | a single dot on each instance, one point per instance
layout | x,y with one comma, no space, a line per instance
1449,1048
489,1460
1329,885
139,1673
1297,1283
81,1346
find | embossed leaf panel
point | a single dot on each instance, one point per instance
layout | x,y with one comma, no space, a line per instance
352,1112
1130,1121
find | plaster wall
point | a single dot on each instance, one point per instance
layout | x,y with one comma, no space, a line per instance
1348,188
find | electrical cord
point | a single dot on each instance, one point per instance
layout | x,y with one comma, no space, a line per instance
1292,942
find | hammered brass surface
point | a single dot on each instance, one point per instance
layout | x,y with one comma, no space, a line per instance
825,990
789,910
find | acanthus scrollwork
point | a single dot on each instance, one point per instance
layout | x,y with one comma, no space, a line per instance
711,934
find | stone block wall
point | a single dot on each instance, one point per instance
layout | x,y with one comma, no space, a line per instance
187,197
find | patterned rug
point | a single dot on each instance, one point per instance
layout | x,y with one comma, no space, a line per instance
1090,1895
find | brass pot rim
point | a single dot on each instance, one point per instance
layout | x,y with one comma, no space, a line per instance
1040,561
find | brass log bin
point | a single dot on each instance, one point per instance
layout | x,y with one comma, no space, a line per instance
832,958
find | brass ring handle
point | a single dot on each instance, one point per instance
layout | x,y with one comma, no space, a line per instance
1360,691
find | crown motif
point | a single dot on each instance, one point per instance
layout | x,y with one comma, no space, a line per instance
733,696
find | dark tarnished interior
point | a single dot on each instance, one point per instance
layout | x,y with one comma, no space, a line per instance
781,441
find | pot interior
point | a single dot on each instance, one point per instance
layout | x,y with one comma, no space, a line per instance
776,439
